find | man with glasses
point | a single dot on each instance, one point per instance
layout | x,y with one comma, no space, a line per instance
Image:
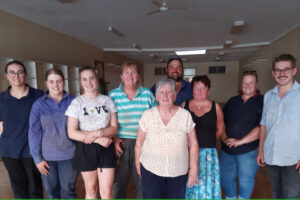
15,106
280,130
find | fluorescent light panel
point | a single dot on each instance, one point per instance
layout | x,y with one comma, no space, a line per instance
190,52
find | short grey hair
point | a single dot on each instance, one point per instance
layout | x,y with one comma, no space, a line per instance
166,81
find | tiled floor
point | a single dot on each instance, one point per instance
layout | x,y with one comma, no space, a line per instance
262,188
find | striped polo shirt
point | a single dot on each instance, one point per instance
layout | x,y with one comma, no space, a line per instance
130,112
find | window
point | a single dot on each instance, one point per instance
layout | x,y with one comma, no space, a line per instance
189,73
158,71
217,69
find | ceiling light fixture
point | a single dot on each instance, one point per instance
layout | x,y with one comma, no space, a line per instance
191,52
237,27
228,43
221,53
153,56
239,23
114,31
138,47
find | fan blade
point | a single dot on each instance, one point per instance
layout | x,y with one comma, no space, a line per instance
156,3
153,12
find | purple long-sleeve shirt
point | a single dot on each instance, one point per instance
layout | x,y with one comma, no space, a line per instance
48,137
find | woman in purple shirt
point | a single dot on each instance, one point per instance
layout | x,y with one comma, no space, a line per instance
50,146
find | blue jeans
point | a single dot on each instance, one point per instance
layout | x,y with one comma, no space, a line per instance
285,181
61,180
243,166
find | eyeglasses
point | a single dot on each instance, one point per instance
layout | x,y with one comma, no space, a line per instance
18,73
285,70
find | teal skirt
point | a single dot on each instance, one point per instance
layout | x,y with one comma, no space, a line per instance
209,177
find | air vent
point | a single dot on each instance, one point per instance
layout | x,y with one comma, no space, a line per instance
159,71
217,69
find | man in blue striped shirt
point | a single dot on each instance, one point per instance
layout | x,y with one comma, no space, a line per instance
131,101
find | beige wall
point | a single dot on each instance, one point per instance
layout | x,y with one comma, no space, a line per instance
29,41
24,40
223,86
114,78
289,43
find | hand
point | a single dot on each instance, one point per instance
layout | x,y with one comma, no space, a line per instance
118,143
298,166
1,127
104,141
193,177
43,167
260,159
232,142
90,136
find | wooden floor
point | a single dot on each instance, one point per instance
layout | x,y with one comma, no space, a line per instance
262,188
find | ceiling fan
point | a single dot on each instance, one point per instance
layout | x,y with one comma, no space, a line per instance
162,7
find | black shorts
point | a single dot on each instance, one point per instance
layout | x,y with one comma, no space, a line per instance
89,157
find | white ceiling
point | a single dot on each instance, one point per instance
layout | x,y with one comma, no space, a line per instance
201,24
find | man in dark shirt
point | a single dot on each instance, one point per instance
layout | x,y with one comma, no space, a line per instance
175,71
15,107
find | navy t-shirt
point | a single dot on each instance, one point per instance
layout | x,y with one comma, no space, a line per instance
14,113
240,118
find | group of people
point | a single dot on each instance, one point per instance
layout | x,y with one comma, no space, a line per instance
165,138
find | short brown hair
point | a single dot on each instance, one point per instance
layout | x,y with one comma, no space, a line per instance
250,74
203,79
129,63
284,57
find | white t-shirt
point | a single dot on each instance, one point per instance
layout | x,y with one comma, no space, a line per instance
93,114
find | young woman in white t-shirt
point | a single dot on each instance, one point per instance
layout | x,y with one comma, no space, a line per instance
92,121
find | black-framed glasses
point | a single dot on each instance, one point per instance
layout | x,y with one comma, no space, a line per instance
18,73
285,70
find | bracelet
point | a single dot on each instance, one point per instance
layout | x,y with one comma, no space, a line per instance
100,133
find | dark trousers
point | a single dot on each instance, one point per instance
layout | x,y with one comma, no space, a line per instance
24,177
157,187
285,181
125,166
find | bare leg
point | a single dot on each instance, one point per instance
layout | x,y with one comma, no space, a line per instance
106,180
90,179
